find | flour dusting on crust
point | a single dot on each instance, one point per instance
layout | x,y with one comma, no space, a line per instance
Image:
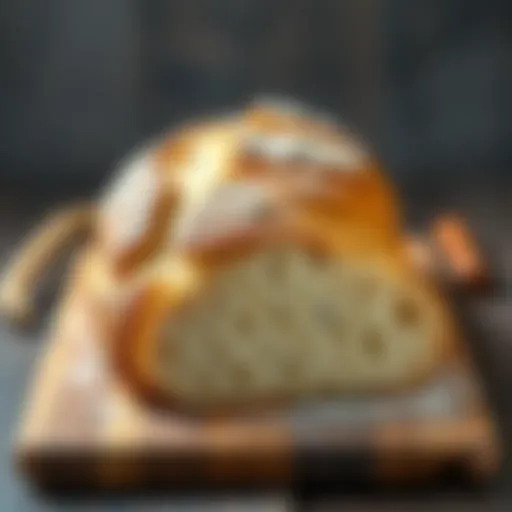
130,201
232,209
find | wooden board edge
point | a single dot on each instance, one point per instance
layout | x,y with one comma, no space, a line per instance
472,445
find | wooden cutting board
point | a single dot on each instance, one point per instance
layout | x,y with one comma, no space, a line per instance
81,428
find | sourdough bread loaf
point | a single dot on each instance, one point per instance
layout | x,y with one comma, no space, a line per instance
259,258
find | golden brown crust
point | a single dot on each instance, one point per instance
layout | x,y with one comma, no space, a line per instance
149,195
131,358
149,184
157,229
358,196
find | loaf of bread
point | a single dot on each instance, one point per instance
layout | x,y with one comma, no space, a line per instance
275,271
257,258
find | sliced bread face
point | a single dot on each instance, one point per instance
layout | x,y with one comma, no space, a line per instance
286,323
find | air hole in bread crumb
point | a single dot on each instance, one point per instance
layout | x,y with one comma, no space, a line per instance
407,312
327,314
282,314
244,323
367,286
373,344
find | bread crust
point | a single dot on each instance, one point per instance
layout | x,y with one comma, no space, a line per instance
359,195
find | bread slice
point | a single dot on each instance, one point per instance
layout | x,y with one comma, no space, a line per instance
282,321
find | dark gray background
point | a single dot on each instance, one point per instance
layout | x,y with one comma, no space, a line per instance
426,81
